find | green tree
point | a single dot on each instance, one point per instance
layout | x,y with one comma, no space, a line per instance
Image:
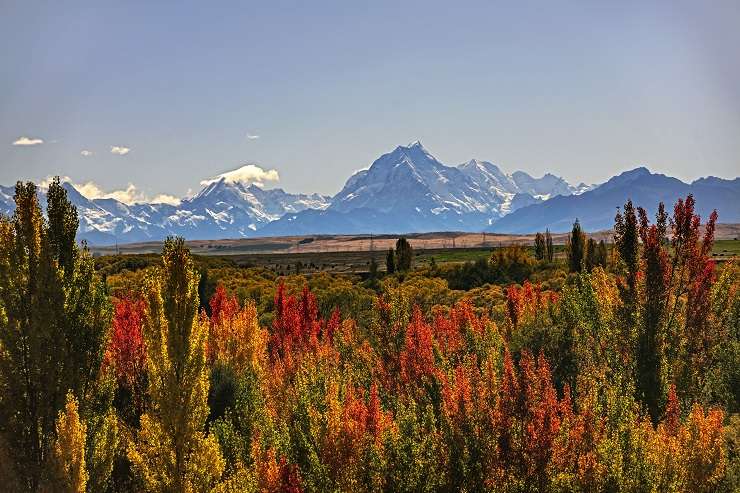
390,262
549,250
54,319
171,452
602,254
576,245
404,254
591,254
626,242
651,333
540,249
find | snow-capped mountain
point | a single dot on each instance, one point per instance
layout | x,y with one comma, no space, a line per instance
222,209
405,190
408,189
596,208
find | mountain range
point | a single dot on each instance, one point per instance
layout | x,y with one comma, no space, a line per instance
405,190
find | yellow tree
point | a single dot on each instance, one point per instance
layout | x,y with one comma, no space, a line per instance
69,449
172,453
54,320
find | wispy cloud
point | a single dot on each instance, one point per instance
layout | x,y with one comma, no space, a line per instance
252,137
164,198
250,173
129,195
86,153
27,141
120,150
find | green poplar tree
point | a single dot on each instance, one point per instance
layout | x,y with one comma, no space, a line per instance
549,249
390,262
54,320
576,245
540,249
404,254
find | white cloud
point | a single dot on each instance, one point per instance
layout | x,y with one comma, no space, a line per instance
250,173
252,137
129,195
120,150
27,141
86,153
164,198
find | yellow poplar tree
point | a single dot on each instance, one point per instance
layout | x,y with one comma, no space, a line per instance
69,448
172,453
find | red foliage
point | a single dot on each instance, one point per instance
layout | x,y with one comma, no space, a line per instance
513,304
296,324
672,420
332,325
126,351
417,357
543,422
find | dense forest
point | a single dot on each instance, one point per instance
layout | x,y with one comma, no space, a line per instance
612,368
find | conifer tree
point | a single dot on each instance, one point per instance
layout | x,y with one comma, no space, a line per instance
595,254
602,254
373,268
404,254
172,453
390,262
549,250
540,249
627,245
576,245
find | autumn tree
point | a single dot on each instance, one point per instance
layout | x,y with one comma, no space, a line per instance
126,355
651,333
69,449
171,452
53,325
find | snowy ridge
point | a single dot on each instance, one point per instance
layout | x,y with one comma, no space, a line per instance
407,189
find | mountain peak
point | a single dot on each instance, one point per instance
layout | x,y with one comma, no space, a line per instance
636,173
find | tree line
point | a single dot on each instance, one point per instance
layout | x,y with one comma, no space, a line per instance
622,379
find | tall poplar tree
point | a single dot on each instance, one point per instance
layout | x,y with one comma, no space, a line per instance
172,453
54,319
540,249
549,249
576,248
390,262
404,254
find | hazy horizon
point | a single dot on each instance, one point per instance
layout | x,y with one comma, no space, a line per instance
164,98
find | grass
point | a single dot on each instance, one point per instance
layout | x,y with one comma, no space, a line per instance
725,249
342,262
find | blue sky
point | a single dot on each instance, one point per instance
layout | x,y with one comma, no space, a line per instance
581,89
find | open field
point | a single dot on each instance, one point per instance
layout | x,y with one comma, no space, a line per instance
366,243
355,262
352,253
